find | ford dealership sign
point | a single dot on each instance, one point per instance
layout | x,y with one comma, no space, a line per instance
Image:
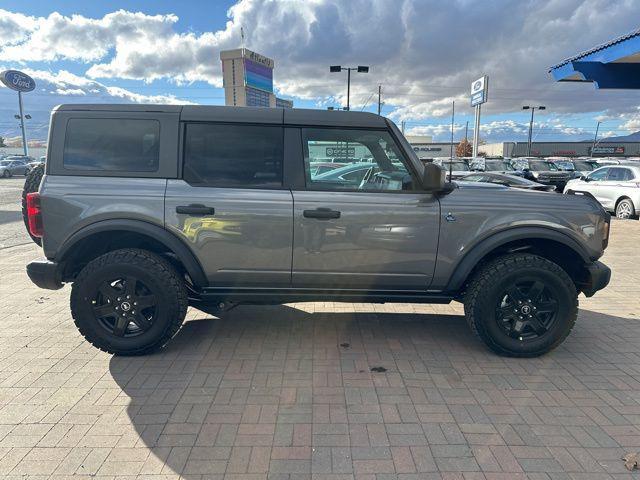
18,81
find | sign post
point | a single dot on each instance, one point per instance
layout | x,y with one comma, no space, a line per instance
479,95
20,82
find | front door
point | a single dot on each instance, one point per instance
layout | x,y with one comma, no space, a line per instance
363,225
231,206
595,183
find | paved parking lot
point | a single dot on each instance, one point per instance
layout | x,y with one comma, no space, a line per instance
289,392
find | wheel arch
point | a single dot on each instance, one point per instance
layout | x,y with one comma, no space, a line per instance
107,235
623,197
551,244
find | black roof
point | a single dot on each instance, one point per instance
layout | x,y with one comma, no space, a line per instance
289,116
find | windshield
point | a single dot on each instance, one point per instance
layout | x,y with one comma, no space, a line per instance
460,166
583,165
565,165
542,166
492,165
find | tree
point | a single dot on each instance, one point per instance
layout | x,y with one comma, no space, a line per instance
464,148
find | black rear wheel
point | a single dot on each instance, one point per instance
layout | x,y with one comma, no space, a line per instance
128,302
521,305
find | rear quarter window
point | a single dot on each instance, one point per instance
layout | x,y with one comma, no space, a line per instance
112,145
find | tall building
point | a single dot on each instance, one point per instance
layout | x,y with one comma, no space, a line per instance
247,78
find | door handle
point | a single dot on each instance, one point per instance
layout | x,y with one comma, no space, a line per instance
195,209
321,213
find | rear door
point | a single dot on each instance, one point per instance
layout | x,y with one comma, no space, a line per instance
230,204
375,232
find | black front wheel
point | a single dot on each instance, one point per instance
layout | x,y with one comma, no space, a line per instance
128,302
521,305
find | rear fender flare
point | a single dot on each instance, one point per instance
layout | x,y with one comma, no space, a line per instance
169,240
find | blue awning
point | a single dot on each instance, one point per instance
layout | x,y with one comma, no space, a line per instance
615,64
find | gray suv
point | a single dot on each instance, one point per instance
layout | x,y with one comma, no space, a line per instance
149,209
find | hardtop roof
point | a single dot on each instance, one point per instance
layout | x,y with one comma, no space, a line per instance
288,116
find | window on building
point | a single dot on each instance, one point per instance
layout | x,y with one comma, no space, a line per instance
233,155
116,145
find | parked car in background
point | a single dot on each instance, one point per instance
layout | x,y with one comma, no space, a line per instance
318,168
543,171
507,180
14,165
616,187
352,174
455,168
577,166
498,165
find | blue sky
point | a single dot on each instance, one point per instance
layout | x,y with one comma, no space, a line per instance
424,53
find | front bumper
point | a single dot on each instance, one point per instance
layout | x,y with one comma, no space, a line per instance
598,276
45,274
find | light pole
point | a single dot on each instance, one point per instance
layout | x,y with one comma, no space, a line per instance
533,109
22,118
339,68
595,139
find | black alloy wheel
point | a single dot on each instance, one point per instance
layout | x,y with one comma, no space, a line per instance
129,301
527,310
521,304
124,307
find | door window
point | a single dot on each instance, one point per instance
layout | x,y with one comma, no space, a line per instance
617,174
599,175
373,161
246,156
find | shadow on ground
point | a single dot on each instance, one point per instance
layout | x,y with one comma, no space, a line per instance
230,395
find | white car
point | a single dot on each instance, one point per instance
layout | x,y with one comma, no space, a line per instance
616,187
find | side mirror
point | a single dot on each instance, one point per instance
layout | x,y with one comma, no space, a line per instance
584,178
433,178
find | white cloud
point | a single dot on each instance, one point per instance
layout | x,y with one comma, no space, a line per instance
424,52
502,130
64,87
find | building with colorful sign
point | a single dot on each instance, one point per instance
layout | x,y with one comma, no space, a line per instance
247,78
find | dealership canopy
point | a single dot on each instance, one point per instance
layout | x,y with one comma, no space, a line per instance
615,64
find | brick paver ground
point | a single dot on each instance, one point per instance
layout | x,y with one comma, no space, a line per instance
288,392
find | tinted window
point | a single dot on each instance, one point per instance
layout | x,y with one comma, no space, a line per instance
373,160
599,174
542,166
233,155
616,174
117,145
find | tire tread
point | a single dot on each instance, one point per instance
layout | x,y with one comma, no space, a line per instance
164,272
495,269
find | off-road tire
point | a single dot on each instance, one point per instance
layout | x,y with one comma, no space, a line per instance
630,208
31,184
486,287
166,284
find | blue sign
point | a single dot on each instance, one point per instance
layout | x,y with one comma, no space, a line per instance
477,98
18,81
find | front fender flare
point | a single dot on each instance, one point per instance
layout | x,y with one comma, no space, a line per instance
169,240
488,244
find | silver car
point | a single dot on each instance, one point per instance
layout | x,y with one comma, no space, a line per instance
13,166
616,187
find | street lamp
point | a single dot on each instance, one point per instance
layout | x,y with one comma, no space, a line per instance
339,68
533,109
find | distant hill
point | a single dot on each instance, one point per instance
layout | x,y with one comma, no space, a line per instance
632,137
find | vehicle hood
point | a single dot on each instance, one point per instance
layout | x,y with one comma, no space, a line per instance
553,175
